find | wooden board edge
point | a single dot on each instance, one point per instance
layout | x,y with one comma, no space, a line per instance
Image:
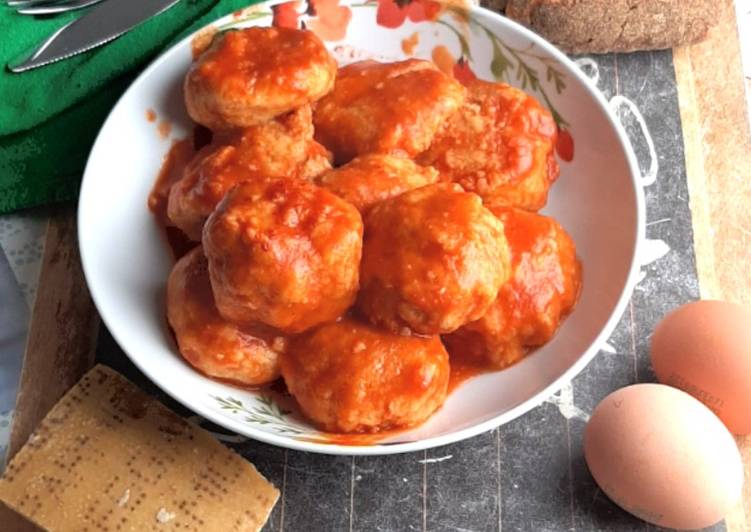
717,139
61,340
712,101
62,333
695,172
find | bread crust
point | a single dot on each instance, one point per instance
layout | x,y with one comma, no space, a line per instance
600,26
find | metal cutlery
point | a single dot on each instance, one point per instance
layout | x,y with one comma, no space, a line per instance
101,24
49,7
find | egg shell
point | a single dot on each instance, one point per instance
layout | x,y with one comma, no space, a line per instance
704,348
663,456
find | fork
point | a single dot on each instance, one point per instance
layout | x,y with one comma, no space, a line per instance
48,7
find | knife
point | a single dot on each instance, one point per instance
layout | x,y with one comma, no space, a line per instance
104,23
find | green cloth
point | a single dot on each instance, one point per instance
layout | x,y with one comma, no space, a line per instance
50,116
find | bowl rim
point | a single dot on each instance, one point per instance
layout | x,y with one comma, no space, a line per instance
422,444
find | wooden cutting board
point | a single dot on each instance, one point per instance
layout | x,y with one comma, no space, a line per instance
718,160
712,99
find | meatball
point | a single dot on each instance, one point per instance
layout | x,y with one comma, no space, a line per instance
370,179
318,161
211,344
544,286
283,147
350,377
211,173
433,260
385,107
283,252
249,76
499,145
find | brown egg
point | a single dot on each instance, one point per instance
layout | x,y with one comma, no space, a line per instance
704,348
663,456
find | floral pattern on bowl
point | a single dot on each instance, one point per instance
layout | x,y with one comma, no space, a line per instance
508,64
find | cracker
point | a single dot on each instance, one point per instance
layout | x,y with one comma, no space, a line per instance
110,458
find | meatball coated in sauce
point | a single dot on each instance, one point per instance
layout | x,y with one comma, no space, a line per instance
543,288
283,252
210,343
500,145
318,161
283,147
433,260
251,75
351,377
370,179
385,108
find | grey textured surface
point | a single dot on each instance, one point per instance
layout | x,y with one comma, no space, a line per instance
14,318
530,474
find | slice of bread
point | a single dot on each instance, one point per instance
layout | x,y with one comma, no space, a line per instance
493,5
599,26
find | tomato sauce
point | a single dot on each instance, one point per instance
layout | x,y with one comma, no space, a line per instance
462,371
177,158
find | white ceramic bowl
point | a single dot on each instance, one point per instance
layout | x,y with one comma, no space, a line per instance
596,199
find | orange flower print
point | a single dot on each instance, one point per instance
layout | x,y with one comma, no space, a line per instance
410,43
393,13
331,19
443,59
446,63
462,72
285,15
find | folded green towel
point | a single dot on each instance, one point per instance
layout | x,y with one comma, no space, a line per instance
50,116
